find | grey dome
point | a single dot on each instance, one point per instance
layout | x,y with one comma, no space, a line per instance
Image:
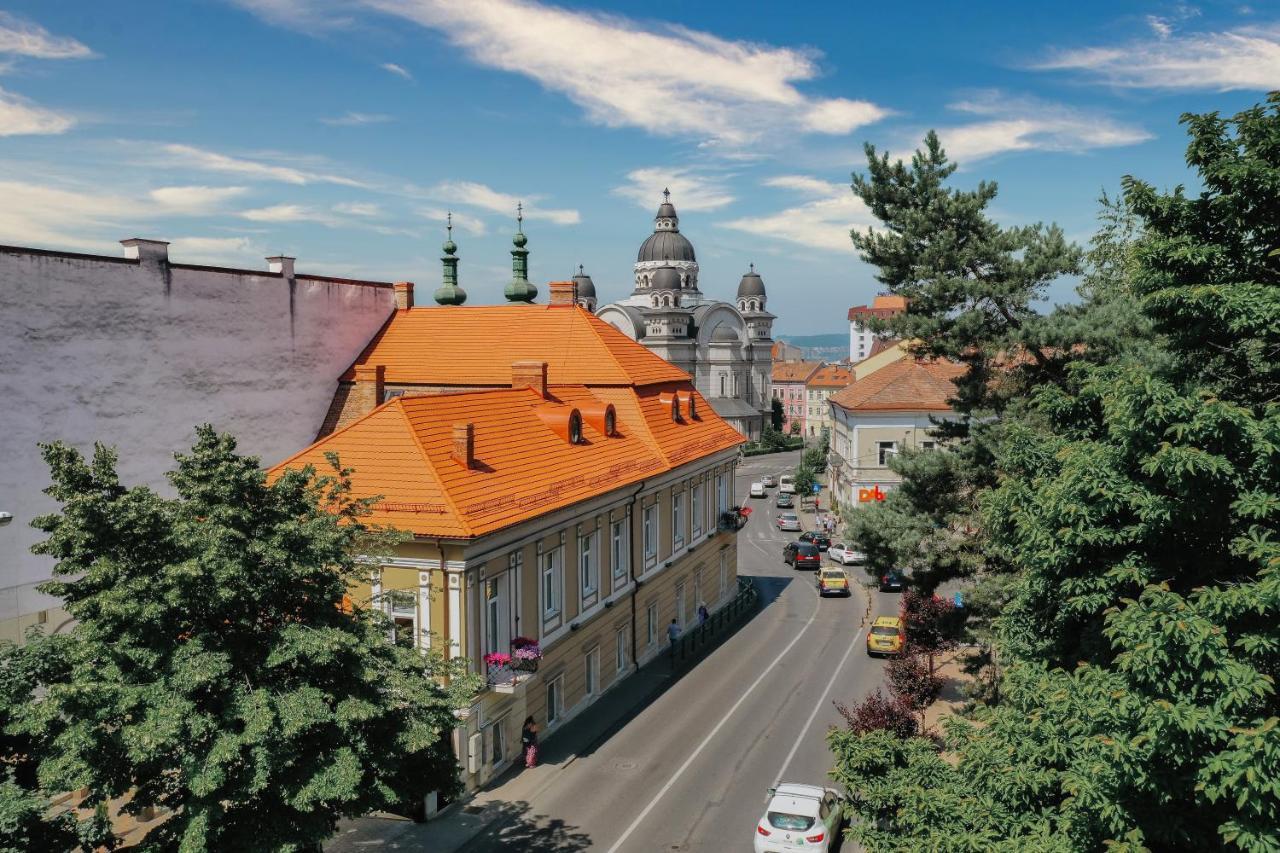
665,278
724,334
751,285
666,246
666,210
584,286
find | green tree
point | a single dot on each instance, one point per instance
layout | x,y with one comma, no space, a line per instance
805,480
1139,505
776,414
214,670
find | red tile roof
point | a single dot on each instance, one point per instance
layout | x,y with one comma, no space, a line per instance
476,346
908,385
831,376
795,371
883,306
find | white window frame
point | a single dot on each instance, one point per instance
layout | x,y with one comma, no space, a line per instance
649,525
588,565
722,499
553,595
724,574
885,449
678,526
695,508
620,539
492,614
651,624
555,700
591,673
621,651
681,604
498,741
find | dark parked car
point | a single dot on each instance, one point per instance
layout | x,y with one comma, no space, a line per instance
822,540
893,581
802,555
786,501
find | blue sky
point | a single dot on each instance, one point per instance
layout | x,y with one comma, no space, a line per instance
340,131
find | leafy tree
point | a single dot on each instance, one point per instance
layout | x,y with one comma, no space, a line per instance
776,414
805,480
933,625
214,670
912,680
878,712
1138,500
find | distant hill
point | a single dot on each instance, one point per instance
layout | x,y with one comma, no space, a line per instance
818,341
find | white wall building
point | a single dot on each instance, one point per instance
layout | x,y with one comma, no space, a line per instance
862,341
136,351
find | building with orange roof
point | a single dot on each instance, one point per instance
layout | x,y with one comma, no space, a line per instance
789,381
881,414
862,340
821,385
559,484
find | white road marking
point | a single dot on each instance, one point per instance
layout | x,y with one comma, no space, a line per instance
617,845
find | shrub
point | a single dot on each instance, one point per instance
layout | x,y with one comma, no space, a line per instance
880,713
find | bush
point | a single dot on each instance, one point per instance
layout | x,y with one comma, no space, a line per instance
880,713
912,681
933,624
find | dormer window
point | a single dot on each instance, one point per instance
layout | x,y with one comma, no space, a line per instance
610,421
575,428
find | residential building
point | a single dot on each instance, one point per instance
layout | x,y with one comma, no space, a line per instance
726,348
892,409
861,338
560,483
783,351
789,380
134,351
883,352
818,389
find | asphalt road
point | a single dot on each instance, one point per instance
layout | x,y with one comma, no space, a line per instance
690,771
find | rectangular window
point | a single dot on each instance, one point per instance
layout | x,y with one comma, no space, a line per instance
620,654
722,497
651,624
497,741
555,699
587,564
650,532
680,602
695,508
551,583
677,519
493,617
402,607
724,574
928,445
591,675
620,557
885,449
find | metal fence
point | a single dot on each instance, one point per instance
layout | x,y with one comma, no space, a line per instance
698,638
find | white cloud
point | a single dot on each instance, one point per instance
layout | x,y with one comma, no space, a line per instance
214,250
60,217
398,70
19,37
821,223
194,199
473,225
667,80
288,213
484,197
689,191
19,117
189,156
1024,124
355,119
1243,58
353,208
305,15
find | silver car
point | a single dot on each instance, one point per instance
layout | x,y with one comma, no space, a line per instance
789,521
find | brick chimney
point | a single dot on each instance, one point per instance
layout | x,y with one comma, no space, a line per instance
146,251
404,294
464,445
282,264
563,293
367,393
530,374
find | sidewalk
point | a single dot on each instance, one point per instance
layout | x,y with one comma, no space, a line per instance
508,799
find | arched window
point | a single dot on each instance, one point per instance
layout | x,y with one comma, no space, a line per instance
575,428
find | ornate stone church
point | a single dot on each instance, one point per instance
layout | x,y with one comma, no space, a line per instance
726,347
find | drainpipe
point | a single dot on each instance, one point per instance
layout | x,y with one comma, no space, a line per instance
635,581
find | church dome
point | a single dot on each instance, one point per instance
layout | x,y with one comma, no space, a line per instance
665,278
584,286
666,246
751,285
724,334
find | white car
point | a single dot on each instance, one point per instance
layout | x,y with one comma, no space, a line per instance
845,555
757,490
768,480
787,484
799,817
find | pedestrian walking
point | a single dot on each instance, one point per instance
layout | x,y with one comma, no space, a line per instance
703,613
529,742
673,632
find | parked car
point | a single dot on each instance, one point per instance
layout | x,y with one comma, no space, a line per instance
785,501
822,540
893,581
789,521
886,636
801,555
833,582
845,555
769,480
787,483
757,490
799,817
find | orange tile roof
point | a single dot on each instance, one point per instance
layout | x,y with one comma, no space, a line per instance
403,451
890,302
795,371
831,376
907,385
476,346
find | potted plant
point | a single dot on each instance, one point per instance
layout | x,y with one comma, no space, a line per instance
525,654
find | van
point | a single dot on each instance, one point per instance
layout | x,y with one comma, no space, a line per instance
787,484
757,490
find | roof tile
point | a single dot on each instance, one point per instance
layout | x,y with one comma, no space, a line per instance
907,385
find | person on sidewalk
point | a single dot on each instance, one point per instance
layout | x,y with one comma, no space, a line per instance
529,742
673,632
703,614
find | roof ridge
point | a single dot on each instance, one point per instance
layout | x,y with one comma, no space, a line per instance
426,459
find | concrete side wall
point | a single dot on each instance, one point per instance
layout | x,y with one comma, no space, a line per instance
136,354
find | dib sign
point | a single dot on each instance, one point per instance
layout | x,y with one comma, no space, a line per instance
872,494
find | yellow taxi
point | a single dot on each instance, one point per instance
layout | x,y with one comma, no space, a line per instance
886,636
833,582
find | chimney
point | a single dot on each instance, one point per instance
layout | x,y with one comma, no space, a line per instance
367,394
530,374
146,251
563,293
282,264
404,294
464,445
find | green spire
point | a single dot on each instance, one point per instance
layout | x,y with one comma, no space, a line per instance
520,289
449,292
